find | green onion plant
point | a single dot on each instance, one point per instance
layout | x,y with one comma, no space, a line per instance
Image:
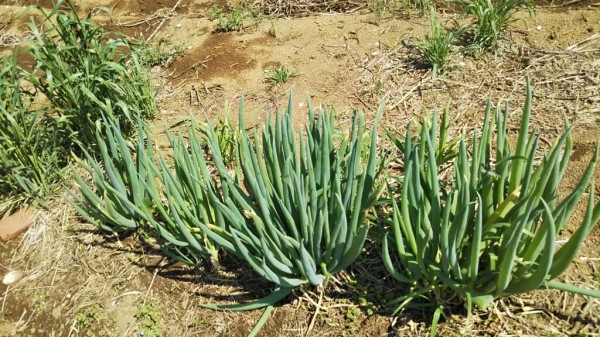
296,208
493,230
120,195
188,188
132,188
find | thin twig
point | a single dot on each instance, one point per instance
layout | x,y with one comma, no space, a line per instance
150,287
314,316
162,22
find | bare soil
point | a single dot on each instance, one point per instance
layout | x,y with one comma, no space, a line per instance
80,282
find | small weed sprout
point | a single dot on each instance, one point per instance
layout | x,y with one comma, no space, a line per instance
148,319
422,5
380,8
227,136
280,75
85,319
161,54
234,20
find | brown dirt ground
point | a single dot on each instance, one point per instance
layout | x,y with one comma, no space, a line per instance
81,283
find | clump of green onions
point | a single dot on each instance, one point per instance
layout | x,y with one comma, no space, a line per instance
492,231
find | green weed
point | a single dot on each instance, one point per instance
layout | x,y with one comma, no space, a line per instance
161,54
380,8
436,48
422,5
280,76
227,137
86,319
235,18
42,303
31,156
148,318
492,18
82,68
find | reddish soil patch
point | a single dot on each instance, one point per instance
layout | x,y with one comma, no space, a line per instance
147,7
219,56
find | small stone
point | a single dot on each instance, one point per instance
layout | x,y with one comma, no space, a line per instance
56,312
13,276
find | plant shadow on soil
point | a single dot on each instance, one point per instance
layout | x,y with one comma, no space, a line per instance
144,254
365,286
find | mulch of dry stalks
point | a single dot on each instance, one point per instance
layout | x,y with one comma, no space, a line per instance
564,81
298,8
80,282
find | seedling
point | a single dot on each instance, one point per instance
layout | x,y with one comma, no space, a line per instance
280,75
161,54
148,319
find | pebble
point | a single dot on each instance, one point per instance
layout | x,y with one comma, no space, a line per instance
13,276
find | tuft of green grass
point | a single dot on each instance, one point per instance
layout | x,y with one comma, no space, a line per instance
436,48
31,155
492,18
380,8
81,67
83,73
422,5
280,75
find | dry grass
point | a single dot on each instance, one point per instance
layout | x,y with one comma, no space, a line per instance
565,81
299,8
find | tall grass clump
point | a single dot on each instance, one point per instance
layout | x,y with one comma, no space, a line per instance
492,17
31,159
436,48
79,65
82,73
492,229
